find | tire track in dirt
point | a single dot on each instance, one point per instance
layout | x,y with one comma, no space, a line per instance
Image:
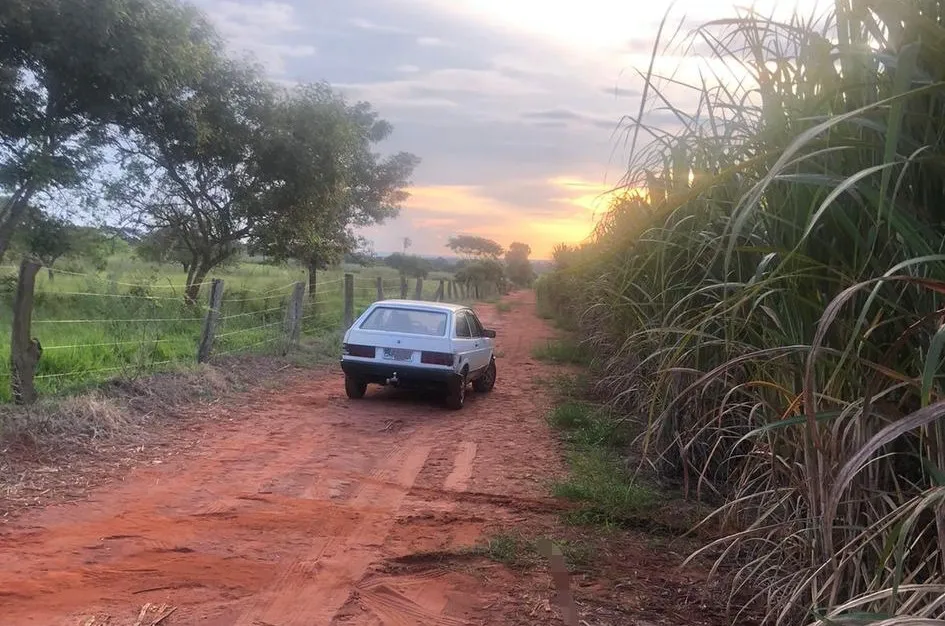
418,599
313,588
290,513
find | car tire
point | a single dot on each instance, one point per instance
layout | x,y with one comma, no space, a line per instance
355,388
456,394
486,382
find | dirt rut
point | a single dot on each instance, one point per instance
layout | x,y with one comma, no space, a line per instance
296,509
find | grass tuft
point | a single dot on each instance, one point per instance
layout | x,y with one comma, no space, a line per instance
518,551
562,352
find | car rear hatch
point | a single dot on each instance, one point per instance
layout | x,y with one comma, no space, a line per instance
400,347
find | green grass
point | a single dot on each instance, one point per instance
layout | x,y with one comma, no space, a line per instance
598,479
518,551
504,307
562,351
130,318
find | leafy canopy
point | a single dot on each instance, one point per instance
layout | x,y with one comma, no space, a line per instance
474,246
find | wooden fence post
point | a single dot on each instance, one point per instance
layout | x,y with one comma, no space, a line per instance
210,321
24,350
403,287
440,291
293,318
449,291
349,301
380,288
418,294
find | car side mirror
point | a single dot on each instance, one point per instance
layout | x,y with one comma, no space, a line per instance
489,334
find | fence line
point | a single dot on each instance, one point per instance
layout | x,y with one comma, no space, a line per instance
287,306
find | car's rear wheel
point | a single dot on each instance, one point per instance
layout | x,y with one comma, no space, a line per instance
486,382
355,388
456,394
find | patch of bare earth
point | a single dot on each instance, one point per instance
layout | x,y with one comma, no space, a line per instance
298,506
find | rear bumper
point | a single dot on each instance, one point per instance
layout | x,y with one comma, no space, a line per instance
407,375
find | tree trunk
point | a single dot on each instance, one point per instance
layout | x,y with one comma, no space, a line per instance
49,272
195,280
312,278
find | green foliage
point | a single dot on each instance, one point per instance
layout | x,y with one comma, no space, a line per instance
323,148
769,307
518,267
45,237
485,271
409,265
562,351
69,69
473,246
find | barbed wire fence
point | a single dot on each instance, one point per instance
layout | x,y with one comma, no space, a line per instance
94,328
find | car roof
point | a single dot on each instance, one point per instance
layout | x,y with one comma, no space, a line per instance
421,304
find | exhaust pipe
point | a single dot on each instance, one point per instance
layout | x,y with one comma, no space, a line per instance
393,380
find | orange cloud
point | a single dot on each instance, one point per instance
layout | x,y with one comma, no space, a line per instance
453,209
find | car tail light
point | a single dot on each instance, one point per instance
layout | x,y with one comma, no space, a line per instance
366,352
436,358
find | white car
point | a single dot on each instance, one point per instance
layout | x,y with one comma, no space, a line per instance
408,343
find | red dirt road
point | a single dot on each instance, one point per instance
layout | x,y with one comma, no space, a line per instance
303,508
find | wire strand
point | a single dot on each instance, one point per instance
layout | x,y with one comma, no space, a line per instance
139,342
104,369
246,330
128,320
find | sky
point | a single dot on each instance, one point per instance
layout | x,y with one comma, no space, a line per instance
513,106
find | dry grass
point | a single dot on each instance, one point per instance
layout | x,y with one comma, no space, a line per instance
60,447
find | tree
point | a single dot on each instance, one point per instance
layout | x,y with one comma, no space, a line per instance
482,272
407,241
409,265
518,267
194,166
337,183
46,238
162,245
68,70
473,246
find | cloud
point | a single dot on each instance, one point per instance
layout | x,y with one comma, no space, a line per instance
430,42
514,125
542,214
368,25
264,30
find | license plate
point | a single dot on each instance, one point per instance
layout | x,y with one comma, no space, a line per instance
397,354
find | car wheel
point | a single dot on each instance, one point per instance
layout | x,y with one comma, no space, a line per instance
486,382
456,396
355,388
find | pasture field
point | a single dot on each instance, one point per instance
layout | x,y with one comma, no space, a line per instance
130,318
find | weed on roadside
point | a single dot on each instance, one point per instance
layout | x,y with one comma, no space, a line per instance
562,351
607,492
504,307
521,552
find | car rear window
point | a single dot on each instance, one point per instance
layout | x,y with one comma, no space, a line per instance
397,320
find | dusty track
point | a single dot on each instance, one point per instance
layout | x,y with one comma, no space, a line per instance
300,509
